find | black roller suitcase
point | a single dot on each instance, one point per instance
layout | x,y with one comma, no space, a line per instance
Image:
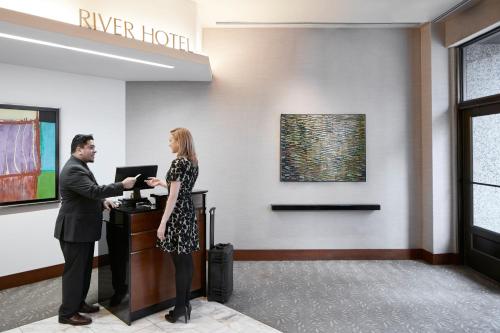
220,267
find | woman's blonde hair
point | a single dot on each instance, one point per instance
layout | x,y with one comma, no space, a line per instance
186,144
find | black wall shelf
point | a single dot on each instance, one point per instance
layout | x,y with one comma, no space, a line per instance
325,207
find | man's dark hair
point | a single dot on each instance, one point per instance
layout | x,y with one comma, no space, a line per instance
80,140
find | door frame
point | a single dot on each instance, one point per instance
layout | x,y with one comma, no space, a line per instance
464,111
478,107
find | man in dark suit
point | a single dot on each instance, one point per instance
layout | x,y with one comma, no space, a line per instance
78,226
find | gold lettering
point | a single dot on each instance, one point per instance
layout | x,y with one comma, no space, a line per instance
116,26
129,30
104,27
173,40
92,20
181,42
84,18
158,40
144,33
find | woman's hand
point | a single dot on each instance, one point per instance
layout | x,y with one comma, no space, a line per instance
160,233
153,182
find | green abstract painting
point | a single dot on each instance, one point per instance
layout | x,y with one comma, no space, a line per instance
323,148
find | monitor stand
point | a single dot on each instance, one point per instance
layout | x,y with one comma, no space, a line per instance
135,200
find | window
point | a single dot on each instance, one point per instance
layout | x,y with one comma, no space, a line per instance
481,67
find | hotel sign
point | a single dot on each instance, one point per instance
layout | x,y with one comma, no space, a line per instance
127,29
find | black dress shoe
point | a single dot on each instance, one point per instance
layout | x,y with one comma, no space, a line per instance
171,317
76,320
85,308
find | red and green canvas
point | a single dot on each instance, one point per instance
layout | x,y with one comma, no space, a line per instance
28,154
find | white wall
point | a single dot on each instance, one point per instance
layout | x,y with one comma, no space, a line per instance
261,73
87,105
439,232
444,226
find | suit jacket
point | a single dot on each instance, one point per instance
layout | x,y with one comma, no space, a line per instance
80,215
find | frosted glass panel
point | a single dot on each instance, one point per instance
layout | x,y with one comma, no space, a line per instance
481,68
486,149
487,207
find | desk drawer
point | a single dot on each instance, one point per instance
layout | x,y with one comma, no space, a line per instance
143,240
145,221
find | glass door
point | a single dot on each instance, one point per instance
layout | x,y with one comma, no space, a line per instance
481,187
479,153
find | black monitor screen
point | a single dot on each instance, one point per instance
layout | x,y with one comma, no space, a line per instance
145,171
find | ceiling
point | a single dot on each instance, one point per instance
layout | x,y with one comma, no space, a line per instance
212,13
223,13
187,66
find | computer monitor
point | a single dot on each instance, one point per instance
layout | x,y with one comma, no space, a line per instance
145,171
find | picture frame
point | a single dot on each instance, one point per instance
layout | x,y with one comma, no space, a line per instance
29,155
323,148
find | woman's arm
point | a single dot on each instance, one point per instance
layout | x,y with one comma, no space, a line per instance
169,207
153,182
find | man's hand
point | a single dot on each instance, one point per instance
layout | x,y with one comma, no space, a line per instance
129,182
109,203
160,233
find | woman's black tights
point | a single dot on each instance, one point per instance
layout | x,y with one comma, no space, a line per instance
183,276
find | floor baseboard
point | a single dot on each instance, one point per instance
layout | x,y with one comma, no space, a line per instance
354,254
40,274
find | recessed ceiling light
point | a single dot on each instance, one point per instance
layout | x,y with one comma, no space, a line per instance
77,49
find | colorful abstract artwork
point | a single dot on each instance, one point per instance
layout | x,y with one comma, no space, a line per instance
323,148
29,154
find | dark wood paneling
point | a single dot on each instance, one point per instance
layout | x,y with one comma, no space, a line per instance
145,221
199,274
40,274
155,267
143,240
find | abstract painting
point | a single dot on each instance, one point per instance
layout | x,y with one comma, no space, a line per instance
323,148
29,154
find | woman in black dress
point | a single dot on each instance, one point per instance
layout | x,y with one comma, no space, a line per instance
178,231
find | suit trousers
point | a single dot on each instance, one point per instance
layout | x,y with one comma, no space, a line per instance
78,259
183,276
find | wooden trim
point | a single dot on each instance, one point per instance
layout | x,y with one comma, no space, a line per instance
40,274
263,255
371,254
441,259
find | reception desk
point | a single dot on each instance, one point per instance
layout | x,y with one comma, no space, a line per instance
136,278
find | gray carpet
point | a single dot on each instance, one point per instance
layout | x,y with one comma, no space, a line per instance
326,296
33,302
366,296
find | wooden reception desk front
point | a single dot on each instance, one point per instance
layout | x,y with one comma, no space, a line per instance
136,278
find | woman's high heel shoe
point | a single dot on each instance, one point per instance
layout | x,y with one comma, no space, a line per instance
172,318
188,310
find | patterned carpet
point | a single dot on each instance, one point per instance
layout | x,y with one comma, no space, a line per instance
326,296
366,296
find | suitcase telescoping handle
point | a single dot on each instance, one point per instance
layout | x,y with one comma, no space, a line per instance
212,217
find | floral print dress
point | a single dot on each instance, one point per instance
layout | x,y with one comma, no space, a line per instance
181,232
